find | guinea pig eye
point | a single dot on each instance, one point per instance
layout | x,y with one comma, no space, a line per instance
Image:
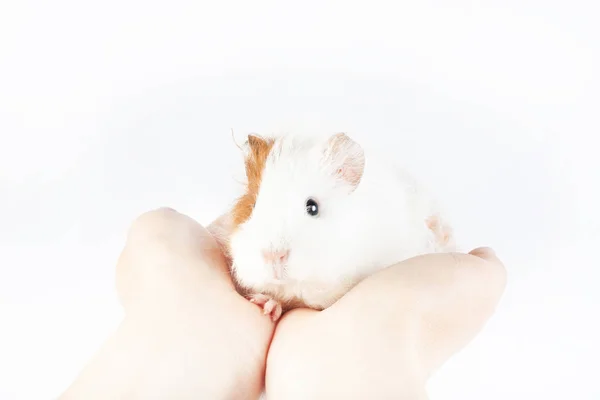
312,208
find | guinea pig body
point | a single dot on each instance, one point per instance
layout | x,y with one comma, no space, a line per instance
319,215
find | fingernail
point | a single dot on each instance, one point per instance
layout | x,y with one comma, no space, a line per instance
484,252
489,251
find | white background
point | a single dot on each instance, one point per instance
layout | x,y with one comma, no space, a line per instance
111,108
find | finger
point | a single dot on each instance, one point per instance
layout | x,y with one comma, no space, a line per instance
165,226
459,309
451,295
158,236
147,223
167,251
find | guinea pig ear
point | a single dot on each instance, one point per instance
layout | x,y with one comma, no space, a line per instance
346,158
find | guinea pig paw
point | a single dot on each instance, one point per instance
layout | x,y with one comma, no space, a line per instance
270,306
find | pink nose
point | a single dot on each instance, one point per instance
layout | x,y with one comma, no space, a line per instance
271,257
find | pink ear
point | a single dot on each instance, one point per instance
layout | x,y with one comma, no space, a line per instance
346,158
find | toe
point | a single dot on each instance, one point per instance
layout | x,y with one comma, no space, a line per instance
259,299
276,313
269,307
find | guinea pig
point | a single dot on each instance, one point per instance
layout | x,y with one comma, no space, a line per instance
318,215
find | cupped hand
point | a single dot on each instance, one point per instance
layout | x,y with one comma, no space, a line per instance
187,334
384,338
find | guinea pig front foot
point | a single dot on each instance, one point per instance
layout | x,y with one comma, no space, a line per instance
269,305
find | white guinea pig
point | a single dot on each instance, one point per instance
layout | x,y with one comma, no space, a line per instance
319,215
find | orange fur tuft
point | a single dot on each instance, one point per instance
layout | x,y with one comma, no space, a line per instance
259,149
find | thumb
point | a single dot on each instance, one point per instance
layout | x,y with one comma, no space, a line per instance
485,253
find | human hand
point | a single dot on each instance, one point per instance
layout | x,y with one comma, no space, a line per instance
187,333
384,338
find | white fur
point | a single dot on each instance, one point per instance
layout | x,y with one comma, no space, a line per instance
357,232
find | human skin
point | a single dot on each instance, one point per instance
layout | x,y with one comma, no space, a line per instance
188,334
385,338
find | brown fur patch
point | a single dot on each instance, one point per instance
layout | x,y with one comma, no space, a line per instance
259,149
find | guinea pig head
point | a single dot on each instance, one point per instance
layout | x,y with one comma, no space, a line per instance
286,225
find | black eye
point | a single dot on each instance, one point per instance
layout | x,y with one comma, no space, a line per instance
312,208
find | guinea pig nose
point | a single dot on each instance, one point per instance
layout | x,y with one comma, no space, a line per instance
279,256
